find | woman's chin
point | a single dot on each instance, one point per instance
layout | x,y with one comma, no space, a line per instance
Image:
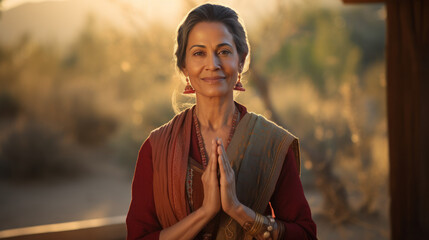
216,92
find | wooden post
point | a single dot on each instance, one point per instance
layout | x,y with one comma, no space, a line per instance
408,115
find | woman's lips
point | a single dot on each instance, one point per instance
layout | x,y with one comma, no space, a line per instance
213,79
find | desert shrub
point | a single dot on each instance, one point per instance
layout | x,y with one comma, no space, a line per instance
91,128
9,106
33,150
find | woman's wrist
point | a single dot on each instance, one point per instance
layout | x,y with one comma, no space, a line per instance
241,214
207,214
233,208
257,224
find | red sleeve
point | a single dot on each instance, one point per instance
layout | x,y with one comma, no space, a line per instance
142,222
289,203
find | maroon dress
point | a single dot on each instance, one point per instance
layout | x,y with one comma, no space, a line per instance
288,200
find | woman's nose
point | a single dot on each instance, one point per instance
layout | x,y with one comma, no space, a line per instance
213,62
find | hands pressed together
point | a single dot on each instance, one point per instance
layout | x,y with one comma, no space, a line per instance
219,193
219,189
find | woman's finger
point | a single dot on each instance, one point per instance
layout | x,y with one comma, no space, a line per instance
227,162
220,157
222,152
213,158
210,166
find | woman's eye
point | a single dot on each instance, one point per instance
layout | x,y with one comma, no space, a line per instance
224,52
198,53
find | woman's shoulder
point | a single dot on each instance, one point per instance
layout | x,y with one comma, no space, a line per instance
268,125
169,126
278,135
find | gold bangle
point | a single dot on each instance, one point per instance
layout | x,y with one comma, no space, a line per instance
257,226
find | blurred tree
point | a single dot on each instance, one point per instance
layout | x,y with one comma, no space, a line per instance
313,44
366,26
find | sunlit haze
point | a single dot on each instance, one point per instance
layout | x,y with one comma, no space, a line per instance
58,21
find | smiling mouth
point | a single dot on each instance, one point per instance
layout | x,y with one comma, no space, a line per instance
213,79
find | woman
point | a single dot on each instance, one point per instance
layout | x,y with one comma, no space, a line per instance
216,171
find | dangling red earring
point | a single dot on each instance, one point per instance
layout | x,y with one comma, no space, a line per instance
238,86
188,88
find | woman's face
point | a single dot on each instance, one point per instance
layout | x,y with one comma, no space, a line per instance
211,62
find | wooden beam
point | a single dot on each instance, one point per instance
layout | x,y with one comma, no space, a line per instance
112,228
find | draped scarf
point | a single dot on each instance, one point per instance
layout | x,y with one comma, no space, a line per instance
256,152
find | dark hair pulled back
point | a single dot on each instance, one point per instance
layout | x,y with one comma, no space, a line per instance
211,13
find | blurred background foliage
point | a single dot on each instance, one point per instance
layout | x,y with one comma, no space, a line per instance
316,70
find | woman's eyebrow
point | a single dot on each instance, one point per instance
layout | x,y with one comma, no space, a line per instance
201,46
218,46
224,44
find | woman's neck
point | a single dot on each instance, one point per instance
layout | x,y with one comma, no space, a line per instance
215,113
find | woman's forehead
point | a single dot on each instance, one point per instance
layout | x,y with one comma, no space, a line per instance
210,34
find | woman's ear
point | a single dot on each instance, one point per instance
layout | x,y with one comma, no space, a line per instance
241,62
185,72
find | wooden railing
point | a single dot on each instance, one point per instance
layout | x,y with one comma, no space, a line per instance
112,228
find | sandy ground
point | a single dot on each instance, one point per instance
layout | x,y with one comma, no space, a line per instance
105,191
